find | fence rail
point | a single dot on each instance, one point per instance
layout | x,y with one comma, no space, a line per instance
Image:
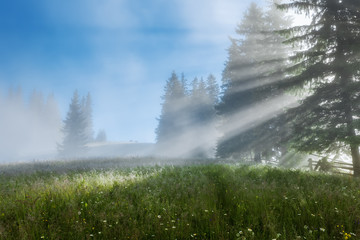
334,166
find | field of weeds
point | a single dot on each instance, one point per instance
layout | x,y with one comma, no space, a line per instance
210,201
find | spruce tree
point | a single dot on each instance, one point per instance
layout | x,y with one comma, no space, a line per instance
101,136
172,121
249,82
86,105
212,89
200,110
327,69
74,130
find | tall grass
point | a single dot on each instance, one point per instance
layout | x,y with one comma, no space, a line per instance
181,202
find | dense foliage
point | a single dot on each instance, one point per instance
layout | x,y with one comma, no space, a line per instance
327,70
249,90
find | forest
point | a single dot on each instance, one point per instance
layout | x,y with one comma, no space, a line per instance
285,89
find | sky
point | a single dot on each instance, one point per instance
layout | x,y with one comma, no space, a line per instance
121,51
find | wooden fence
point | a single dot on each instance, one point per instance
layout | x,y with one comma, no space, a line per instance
333,166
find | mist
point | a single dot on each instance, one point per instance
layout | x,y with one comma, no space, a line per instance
29,128
124,62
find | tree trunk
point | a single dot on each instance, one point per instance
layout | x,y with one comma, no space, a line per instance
356,159
257,157
346,79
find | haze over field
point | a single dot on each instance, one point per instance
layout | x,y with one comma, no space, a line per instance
120,51
121,54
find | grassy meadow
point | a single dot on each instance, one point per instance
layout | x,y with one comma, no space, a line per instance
62,200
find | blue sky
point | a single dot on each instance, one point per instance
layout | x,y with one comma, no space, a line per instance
121,51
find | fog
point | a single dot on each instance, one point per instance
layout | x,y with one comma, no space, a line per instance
29,128
32,126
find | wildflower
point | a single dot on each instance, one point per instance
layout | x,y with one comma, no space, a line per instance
206,210
322,229
173,227
91,235
249,229
104,221
79,212
159,216
42,237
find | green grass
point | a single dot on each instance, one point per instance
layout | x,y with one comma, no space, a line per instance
183,202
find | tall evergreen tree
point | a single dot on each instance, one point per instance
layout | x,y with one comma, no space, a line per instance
327,67
212,89
172,121
101,136
86,105
248,82
74,130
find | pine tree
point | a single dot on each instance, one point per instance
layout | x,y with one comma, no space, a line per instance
101,136
74,130
86,105
199,111
172,121
212,89
248,83
327,68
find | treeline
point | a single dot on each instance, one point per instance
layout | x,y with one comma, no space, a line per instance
188,118
33,127
246,118
269,59
28,127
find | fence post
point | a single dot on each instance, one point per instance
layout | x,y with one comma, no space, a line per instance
310,164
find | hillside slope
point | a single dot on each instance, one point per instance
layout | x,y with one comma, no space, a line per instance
183,202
